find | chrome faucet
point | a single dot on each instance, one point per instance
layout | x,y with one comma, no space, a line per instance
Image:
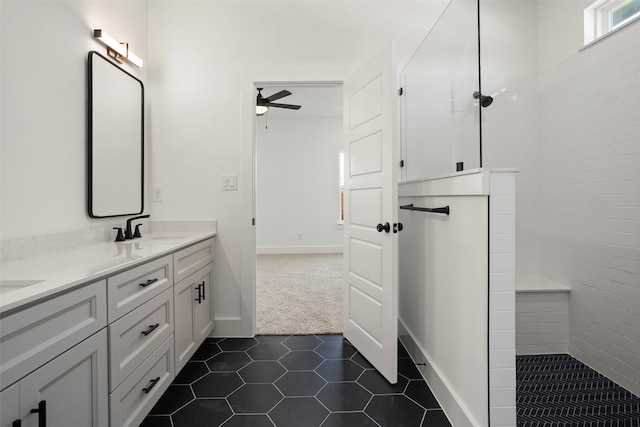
128,234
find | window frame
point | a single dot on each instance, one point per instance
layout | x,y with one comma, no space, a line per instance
598,18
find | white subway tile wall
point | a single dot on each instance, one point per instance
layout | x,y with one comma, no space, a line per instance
542,322
502,268
572,126
590,240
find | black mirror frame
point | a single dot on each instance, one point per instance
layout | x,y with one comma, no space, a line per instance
90,195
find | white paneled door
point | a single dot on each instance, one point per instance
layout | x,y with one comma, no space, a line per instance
371,162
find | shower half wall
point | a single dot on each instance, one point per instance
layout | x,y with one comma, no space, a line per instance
457,292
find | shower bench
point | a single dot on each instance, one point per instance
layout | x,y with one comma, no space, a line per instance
542,316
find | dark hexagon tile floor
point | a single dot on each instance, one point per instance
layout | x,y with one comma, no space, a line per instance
281,381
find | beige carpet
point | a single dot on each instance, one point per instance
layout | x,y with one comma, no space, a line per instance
299,294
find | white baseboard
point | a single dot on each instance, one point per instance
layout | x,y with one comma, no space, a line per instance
230,328
281,250
449,402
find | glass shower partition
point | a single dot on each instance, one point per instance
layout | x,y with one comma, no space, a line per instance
440,112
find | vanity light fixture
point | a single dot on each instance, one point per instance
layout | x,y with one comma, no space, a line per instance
118,50
261,110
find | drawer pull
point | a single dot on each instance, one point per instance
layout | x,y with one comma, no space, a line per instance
152,385
16,423
203,286
148,282
200,293
42,413
151,329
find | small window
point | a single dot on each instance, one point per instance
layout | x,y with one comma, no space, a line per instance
604,16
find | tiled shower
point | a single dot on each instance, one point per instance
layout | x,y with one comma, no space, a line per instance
568,117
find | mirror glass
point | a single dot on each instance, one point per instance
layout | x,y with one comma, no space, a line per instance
440,116
116,140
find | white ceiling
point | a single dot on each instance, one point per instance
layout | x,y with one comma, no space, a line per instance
316,100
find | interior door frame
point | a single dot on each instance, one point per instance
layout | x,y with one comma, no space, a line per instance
246,325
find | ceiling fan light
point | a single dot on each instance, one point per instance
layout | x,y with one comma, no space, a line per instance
261,110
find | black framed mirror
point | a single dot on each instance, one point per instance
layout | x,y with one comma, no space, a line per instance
115,140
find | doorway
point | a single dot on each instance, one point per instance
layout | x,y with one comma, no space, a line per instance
299,241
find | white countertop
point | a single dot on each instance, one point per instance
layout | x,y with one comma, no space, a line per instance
26,280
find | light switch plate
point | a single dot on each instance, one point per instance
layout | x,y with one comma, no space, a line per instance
229,182
157,193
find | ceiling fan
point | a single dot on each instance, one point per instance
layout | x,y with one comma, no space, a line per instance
263,104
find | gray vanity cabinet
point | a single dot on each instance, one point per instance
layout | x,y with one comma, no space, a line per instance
55,354
141,365
73,387
10,405
193,299
194,313
103,353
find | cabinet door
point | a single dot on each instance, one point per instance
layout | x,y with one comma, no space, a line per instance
9,406
183,299
73,386
203,311
194,318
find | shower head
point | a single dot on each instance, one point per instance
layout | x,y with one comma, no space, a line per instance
485,100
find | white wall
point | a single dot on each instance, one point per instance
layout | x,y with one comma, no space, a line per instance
204,57
197,59
44,108
457,293
443,299
297,184
590,190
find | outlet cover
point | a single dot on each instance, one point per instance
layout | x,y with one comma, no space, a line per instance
229,182
157,193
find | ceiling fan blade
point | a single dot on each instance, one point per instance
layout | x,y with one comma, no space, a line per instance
288,106
278,95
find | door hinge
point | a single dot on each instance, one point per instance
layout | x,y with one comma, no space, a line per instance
401,163
400,91
253,221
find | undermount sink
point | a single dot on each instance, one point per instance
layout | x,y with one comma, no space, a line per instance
12,285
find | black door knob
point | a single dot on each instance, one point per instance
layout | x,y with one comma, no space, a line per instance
386,227
397,227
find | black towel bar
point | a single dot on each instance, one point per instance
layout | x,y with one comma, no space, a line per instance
444,210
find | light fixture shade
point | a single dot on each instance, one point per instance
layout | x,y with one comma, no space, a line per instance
261,110
116,49
134,59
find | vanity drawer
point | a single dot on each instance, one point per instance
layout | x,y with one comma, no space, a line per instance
35,335
131,288
132,401
133,337
191,259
